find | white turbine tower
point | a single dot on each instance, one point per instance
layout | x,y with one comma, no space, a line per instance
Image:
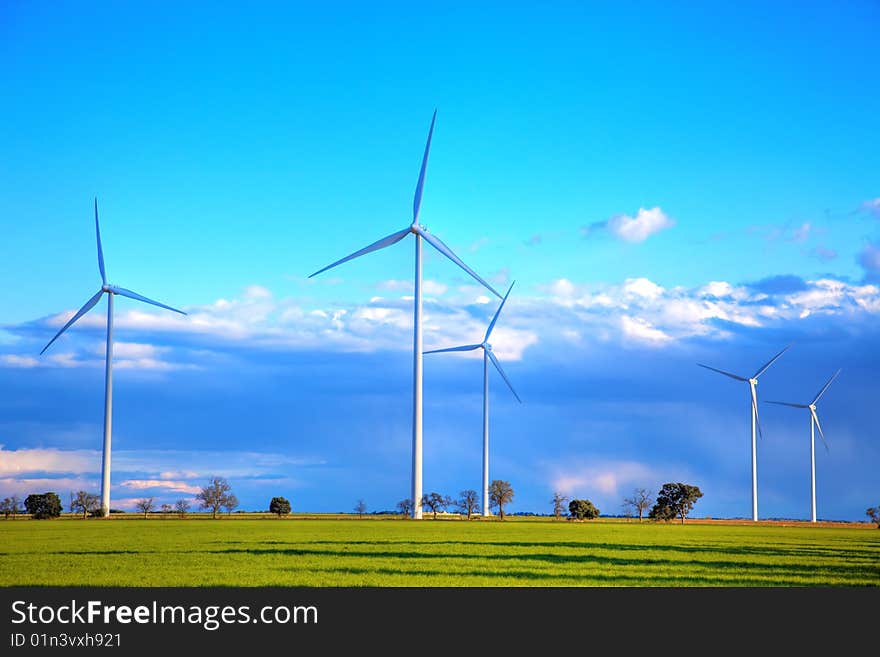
421,233
756,423
814,424
110,291
487,356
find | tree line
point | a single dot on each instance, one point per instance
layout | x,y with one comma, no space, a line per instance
675,500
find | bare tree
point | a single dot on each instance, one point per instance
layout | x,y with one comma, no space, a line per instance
16,508
639,502
166,509
6,507
182,507
405,507
85,503
145,505
559,501
500,493
468,502
436,502
214,495
230,503
360,508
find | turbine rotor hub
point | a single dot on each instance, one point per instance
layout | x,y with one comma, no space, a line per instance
106,288
754,382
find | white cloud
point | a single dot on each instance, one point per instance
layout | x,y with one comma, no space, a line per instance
145,484
636,310
257,292
642,331
640,227
609,478
14,360
642,287
48,460
434,288
716,289
25,463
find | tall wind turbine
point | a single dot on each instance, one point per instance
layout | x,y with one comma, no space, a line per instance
814,424
421,233
756,423
110,291
487,356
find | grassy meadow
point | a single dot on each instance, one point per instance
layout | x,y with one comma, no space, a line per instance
350,552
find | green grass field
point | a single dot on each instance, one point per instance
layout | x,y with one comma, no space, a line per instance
336,552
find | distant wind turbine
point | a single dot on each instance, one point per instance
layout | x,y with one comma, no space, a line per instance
814,424
487,356
110,291
421,233
756,423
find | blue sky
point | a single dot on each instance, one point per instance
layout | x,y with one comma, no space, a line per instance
667,184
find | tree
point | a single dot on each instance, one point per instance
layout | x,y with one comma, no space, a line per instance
182,507
435,502
360,508
85,503
583,510
467,502
874,514
675,500
500,493
559,501
214,495
230,503
6,507
405,507
41,507
16,509
639,502
166,509
279,506
145,505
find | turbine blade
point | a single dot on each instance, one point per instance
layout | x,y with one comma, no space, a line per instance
503,375
732,376
435,241
755,408
497,312
375,246
819,427
825,387
420,186
100,250
82,311
467,347
139,297
779,403
770,362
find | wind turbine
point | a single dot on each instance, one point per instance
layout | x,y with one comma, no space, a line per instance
814,424
421,233
110,291
756,423
487,356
